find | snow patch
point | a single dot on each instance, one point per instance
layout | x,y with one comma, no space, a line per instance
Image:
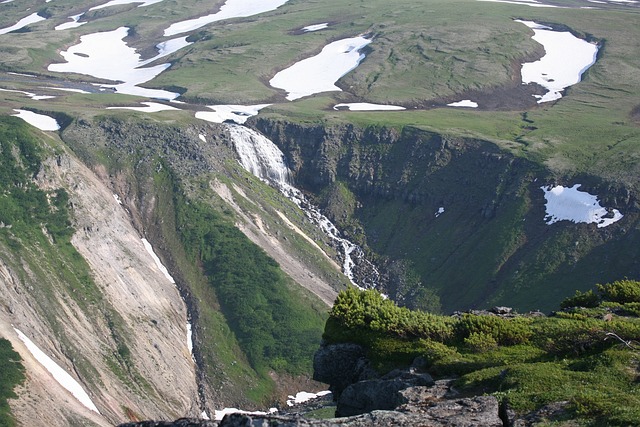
231,9
159,264
120,2
439,212
315,27
31,19
570,204
235,113
151,107
202,138
525,2
566,59
464,103
73,24
29,94
40,121
115,196
105,55
365,106
59,374
190,338
304,396
219,414
320,72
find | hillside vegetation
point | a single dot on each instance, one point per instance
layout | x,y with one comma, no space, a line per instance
11,374
587,354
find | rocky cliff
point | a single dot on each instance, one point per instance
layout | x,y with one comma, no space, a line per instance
456,217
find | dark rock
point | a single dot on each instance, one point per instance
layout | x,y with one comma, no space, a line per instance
383,393
340,365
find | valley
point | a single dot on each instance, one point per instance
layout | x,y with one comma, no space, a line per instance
187,186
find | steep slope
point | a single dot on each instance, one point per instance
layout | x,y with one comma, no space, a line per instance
101,309
457,215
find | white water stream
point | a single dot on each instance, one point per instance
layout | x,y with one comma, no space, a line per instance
260,156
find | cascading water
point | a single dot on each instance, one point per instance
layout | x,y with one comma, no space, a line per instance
260,156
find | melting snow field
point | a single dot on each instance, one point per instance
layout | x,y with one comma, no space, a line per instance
236,113
219,415
73,24
464,103
532,3
151,107
319,73
315,27
231,9
40,121
365,106
159,264
31,19
59,374
566,58
29,94
304,396
119,2
105,55
564,203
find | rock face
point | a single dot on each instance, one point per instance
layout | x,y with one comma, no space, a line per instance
432,202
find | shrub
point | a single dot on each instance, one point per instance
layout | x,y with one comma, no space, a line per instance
504,331
479,342
622,291
587,299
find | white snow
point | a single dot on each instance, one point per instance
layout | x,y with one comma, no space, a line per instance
202,137
159,264
464,103
31,19
40,121
73,24
105,55
319,73
115,196
59,374
304,396
68,89
119,2
236,113
528,3
151,107
219,415
566,58
569,204
29,94
315,27
231,9
440,212
365,106
189,338
205,416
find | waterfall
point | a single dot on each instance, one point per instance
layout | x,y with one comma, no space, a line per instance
260,156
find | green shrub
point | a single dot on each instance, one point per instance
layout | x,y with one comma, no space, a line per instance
622,291
587,299
479,342
504,331
11,374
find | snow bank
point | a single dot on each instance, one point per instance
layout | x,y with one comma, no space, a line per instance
319,73
105,55
59,374
31,19
569,204
40,121
464,103
159,264
231,9
315,27
566,58
151,107
304,396
365,106
119,2
236,113
219,415
73,24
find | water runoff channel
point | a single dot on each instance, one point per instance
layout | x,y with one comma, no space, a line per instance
261,157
